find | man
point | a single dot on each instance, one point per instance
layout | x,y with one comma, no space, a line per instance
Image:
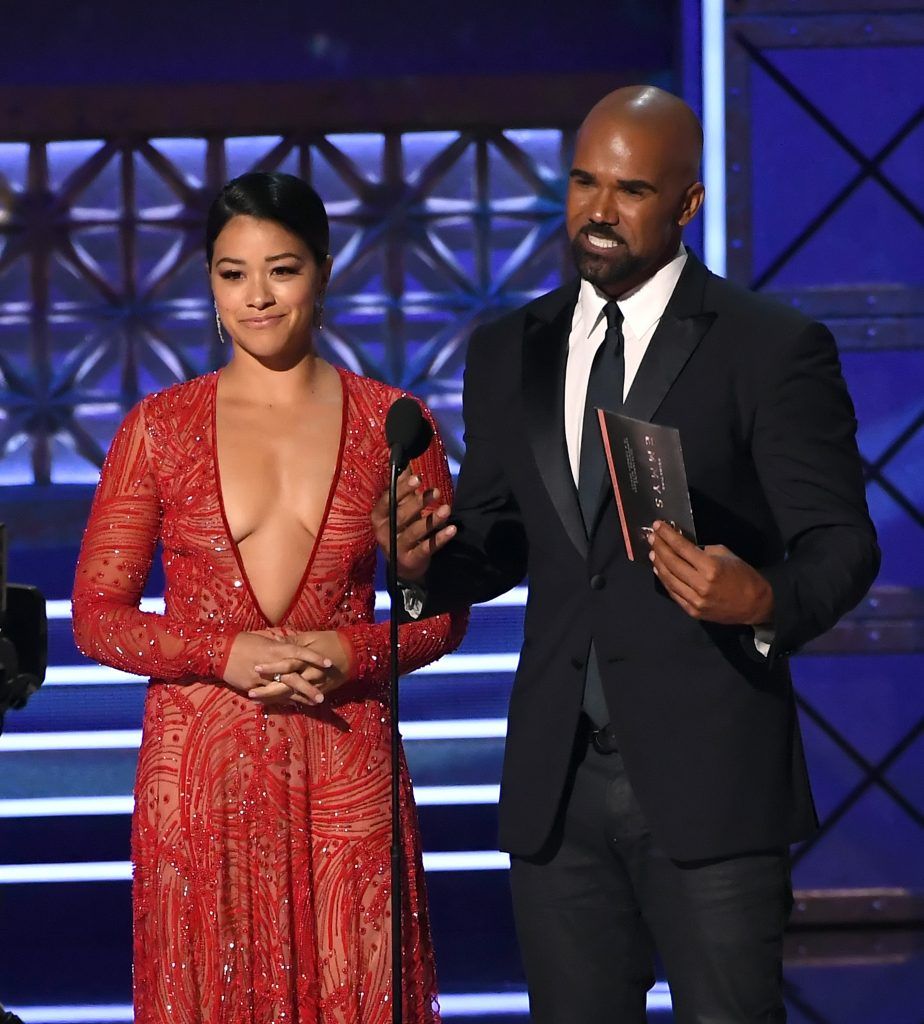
654,774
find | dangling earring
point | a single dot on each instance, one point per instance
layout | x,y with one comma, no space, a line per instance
221,337
318,319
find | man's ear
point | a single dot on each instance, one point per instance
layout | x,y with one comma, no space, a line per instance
692,201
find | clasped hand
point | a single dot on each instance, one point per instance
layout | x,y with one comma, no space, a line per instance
710,583
422,528
282,666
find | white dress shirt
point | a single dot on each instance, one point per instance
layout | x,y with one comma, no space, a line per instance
642,310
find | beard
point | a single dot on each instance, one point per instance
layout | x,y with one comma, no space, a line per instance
606,271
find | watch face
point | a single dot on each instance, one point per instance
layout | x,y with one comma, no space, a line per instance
413,600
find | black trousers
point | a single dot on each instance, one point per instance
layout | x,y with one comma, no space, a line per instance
592,908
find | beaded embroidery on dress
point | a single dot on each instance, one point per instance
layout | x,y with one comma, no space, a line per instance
261,837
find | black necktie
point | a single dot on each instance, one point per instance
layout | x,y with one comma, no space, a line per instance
604,389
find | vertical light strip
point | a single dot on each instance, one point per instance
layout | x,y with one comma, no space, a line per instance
714,128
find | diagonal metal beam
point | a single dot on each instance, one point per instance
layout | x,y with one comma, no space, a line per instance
874,774
871,771
900,499
168,172
81,177
896,446
829,126
869,166
836,202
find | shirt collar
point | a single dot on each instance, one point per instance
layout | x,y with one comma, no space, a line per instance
641,307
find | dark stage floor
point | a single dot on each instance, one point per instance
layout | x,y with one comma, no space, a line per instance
845,976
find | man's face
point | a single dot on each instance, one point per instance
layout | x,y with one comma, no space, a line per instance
627,203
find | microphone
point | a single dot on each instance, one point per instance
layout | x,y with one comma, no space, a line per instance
407,431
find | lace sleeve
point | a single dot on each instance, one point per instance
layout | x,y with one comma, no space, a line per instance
115,559
421,642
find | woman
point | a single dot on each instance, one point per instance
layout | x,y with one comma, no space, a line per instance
261,830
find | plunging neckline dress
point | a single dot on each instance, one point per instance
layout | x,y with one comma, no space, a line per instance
260,838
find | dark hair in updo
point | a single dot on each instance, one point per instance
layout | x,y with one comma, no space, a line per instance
278,197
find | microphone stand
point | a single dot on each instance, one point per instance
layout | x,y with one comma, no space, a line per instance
396,887
408,435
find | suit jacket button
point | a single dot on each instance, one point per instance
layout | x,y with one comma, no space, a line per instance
597,581
577,663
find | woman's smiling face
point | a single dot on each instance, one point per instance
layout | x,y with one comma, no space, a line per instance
267,284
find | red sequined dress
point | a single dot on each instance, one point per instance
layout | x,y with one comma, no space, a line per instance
260,837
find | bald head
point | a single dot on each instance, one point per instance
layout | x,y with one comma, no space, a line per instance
659,114
634,186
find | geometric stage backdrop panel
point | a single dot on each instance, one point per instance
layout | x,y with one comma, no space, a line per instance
104,296
825,178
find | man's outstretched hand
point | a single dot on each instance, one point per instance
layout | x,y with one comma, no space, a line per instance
711,583
422,528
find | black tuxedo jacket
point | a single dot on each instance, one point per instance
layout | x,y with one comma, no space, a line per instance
706,725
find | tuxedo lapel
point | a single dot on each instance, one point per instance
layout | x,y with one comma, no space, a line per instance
545,356
673,343
675,338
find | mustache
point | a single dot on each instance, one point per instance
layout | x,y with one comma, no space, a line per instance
602,231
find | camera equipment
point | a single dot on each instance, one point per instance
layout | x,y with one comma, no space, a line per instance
23,639
23,654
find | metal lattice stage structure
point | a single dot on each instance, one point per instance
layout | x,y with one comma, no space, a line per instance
104,297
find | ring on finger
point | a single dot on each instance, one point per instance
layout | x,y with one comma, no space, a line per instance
277,677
